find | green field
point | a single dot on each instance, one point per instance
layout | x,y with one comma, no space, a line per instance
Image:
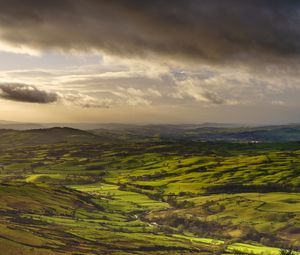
149,197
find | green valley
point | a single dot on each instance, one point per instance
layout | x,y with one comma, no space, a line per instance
82,194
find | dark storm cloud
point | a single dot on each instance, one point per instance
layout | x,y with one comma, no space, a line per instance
26,93
31,94
205,30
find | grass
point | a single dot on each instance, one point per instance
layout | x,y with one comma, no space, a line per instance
149,198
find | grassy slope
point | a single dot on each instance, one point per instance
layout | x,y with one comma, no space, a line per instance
129,195
44,220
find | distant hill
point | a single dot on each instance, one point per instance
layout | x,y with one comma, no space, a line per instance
11,138
220,125
4,124
20,126
108,126
18,134
253,134
83,126
206,132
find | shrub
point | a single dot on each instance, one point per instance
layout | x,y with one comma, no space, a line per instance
288,251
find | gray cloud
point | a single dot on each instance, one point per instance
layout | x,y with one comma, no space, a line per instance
206,30
31,94
26,93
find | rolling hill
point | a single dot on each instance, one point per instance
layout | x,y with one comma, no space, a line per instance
206,132
68,191
12,138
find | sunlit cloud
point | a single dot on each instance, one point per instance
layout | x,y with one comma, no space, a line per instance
18,48
189,55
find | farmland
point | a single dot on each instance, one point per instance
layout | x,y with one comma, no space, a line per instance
87,195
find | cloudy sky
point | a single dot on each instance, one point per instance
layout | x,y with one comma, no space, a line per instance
152,61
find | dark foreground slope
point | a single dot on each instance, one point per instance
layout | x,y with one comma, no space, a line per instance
46,220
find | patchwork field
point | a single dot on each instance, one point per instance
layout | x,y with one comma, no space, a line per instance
149,197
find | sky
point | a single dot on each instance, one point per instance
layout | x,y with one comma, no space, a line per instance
154,61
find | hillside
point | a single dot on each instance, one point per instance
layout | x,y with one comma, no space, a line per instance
148,197
40,220
209,132
11,138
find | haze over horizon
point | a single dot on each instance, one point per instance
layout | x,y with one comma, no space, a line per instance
86,125
130,61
